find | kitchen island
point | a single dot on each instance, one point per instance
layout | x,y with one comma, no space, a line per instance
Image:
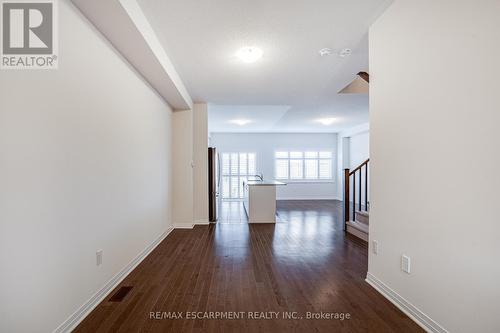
260,200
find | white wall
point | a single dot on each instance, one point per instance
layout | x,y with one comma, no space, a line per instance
265,145
359,149
183,208
190,166
85,165
353,149
435,156
200,158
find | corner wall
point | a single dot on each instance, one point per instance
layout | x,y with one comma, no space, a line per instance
183,169
85,164
353,149
434,116
190,166
359,149
200,159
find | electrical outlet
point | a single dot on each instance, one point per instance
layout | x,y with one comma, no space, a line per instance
98,257
375,247
405,264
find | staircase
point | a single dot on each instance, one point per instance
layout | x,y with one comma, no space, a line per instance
356,204
359,227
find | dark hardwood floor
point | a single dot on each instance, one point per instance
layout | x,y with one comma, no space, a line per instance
306,264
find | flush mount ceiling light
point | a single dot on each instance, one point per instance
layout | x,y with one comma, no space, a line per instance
326,121
240,122
249,54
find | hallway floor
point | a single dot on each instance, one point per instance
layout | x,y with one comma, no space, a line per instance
231,211
305,265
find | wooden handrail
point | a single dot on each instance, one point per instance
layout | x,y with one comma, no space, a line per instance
365,76
359,166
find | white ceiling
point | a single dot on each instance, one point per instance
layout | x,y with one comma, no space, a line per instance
291,85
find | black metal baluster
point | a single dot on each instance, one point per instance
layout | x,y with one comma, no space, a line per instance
360,201
347,197
366,186
354,196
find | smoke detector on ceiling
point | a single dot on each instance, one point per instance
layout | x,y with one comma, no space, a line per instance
341,53
325,52
345,53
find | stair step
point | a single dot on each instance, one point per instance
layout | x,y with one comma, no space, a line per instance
359,226
363,212
357,229
362,217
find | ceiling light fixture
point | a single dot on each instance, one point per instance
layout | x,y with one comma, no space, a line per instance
240,122
249,54
326,121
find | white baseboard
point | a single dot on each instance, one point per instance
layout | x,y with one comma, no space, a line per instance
183,225
190,225
69,324
409,309
306,198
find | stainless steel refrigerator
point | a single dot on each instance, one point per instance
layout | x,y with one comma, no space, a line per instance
213,183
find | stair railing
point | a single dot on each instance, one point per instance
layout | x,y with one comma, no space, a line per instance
361,170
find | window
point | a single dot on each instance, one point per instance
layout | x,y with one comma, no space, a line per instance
298,165
236,167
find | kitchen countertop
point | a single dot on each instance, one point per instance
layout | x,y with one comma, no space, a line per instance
264,182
